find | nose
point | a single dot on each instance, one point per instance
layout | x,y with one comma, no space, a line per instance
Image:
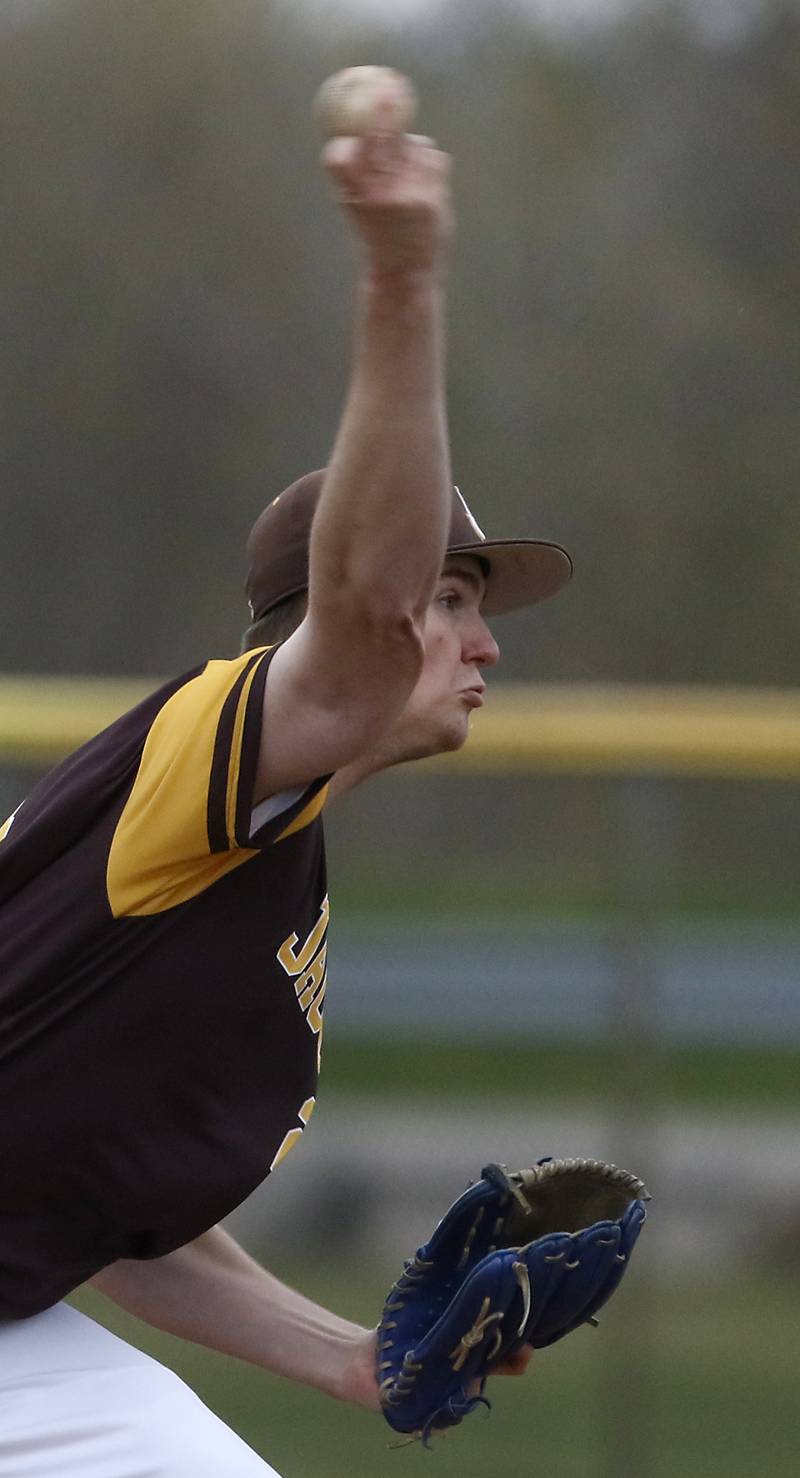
481,647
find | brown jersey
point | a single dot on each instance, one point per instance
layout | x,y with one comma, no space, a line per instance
162,973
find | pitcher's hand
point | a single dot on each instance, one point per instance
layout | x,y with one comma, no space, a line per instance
394,188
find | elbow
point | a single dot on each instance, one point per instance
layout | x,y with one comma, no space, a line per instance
377,632
368,660
386,654
400,633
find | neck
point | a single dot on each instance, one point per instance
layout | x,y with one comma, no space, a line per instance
398,747
352,775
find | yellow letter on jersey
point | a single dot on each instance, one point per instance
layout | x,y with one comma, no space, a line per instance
295,964
290,1139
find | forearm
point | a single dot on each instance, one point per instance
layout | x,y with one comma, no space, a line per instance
212,1293
382,522
380,531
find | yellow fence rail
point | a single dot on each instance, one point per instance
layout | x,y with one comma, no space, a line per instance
556,728
598,728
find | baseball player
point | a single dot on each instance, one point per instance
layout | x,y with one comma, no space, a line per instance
164,909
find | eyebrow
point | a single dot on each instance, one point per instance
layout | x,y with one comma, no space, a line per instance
453,571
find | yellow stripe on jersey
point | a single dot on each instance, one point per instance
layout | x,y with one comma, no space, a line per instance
235,755
160,854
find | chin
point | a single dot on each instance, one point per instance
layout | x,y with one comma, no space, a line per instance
456,740
446,737
451,736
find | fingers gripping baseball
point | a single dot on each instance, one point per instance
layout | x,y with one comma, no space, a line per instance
393,186
396,194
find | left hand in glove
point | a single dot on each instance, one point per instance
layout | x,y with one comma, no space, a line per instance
522,1258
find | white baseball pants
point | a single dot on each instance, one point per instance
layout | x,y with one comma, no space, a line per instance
77,1402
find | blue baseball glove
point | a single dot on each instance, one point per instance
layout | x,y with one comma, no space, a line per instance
523,1257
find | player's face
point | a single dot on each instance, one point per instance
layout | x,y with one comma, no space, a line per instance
458,646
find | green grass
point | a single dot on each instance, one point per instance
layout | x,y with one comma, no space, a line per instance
427,888
696,1380
757,1077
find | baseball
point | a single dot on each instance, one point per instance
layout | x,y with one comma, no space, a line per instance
363,100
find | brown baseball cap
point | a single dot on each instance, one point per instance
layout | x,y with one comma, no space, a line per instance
521,572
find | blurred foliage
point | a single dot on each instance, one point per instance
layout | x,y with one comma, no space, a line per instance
717,1396
624,333
624,363
624,320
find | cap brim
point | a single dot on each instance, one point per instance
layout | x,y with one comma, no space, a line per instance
523,572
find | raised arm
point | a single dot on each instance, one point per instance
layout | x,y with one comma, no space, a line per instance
379,534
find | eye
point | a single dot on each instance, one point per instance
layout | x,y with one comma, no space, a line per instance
450,599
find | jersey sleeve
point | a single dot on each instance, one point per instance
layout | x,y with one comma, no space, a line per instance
187,820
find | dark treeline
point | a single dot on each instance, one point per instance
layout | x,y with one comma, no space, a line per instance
624,323
624,326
